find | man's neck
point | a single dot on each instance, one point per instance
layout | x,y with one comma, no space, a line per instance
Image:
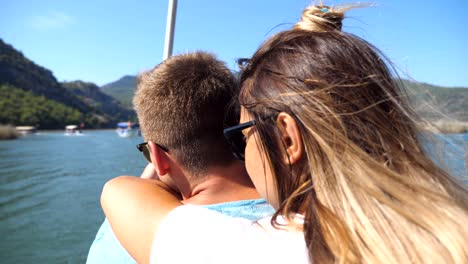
220,185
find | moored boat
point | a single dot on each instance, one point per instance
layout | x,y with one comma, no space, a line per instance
127,129
25,130
72,130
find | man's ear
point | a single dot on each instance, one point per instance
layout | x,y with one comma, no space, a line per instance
291,137
159,158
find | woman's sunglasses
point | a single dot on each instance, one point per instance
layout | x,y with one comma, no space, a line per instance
143,147
236,139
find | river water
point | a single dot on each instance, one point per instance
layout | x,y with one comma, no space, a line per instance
50,186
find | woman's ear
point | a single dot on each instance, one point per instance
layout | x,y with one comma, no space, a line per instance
159,158
291,137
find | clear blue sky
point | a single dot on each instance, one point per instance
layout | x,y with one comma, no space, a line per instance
102,40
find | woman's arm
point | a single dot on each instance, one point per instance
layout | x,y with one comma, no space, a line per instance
135,208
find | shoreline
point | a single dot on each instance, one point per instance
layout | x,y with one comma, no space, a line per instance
8,132
446,127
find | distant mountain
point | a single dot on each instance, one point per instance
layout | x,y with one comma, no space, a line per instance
20,72
31,95
123,90
95,98
437,102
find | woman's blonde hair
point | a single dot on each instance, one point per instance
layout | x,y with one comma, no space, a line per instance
368,190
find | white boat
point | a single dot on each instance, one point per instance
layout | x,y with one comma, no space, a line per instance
127,129
25,130
72,130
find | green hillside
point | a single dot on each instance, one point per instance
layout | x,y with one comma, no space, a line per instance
31,95
123,89
20,72
95,98
436,102
23,107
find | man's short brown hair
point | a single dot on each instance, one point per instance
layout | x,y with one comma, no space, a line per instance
181,104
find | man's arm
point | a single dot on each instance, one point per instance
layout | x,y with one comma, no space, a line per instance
135,207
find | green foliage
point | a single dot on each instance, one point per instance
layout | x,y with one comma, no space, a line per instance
122,90
20,107
103,103
20,72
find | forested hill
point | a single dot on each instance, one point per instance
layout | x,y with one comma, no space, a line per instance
122,89
31,95
91,94
22,73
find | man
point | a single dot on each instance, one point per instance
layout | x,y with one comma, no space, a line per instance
181,106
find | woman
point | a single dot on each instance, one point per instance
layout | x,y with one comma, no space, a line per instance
332,144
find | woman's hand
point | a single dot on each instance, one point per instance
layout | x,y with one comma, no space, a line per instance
150,173
135,207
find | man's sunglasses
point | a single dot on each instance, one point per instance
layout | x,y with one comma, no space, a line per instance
143,147
236,139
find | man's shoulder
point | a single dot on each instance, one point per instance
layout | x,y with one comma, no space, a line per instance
106,248
248,209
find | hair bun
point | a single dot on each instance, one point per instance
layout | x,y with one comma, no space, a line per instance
320,18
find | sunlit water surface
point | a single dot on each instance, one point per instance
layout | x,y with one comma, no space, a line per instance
50,186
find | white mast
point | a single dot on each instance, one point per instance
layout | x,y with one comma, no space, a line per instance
170,25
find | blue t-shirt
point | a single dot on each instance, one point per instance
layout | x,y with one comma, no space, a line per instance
106,248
